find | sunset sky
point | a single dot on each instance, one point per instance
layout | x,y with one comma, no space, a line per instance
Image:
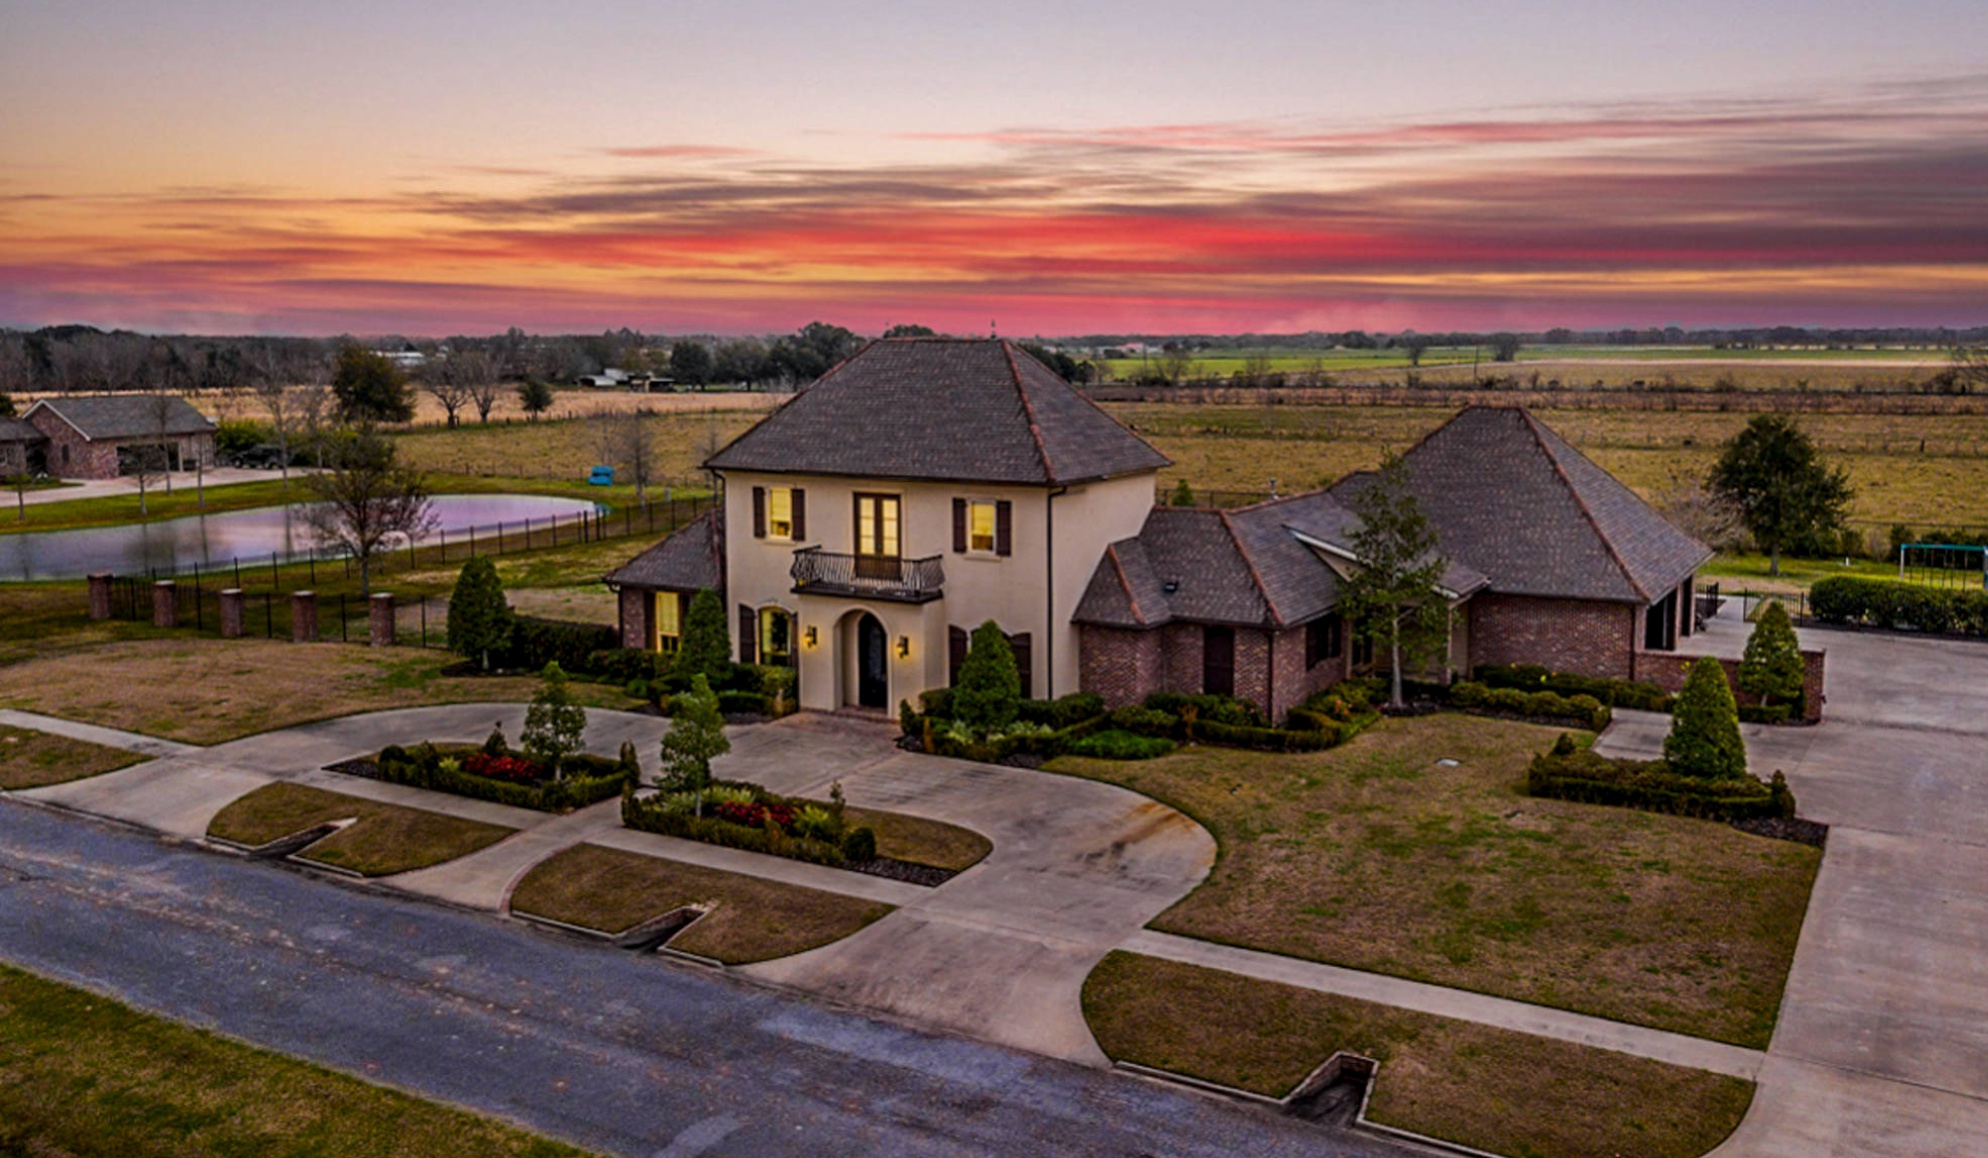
748,166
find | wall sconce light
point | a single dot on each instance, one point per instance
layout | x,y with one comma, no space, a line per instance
811,638
904,647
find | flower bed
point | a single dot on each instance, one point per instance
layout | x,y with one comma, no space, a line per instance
504,777
737,814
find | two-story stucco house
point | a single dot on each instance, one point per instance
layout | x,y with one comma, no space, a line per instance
926,486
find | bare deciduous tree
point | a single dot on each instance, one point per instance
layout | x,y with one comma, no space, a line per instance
267,379
478,376
624,440
441,381
365,499
1969,365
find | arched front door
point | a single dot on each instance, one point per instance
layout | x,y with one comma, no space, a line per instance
872,663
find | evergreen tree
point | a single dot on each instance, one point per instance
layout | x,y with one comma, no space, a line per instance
1785,495
696,737
1772,667
706,647
369,388
534,397
1392,599
989,691
1704,735
553,723
1183,495
479,618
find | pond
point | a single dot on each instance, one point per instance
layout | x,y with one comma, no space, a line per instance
212,542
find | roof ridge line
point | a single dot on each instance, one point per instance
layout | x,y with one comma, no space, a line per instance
1534,427
1255,576
1028,410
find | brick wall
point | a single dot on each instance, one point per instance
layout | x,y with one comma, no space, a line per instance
634,617
1573,635
70,455
1121,665
1667,670
1180,643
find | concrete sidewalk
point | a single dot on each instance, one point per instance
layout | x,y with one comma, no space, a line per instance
108,737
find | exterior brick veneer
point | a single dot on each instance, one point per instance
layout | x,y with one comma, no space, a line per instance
1122,665
1571,635
165,604
1667,670
1125,666
634,617
303,616
231,613
100,595
380,622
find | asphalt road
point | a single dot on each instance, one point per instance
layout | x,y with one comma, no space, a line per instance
620,1053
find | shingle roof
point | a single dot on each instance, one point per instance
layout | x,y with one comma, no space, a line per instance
98,416
1514,500
1254,565
691,558
15,430
957,410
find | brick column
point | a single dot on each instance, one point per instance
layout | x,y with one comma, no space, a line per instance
303,617
231,613
379,619
100,595
165,604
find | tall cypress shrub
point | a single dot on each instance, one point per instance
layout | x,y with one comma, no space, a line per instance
1704,738
1772,666
479,618
706,647
989,692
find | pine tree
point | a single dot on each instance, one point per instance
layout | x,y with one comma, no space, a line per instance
706,647
696,737
1704,735
479,618
554,724
1183,495
1772,667
989,691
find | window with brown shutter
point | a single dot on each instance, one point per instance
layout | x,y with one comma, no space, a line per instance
1004,528
1024,649
748,635
800,515
959,526
759,512
956,644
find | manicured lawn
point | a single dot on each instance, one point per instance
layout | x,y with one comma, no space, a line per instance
31,759
84,1075
203,689
1496,1090
921,841
1373,857
753,920
387,839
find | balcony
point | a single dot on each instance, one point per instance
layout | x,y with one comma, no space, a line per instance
819,572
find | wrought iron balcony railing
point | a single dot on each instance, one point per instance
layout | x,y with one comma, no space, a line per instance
819,572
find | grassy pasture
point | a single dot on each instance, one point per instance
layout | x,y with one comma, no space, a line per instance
566,450
1493,1089
1372,857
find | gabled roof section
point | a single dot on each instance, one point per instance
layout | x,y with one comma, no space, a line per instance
1513,500
16,430
691,558
99,416
947,409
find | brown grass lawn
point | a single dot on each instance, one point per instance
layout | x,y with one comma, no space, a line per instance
1506,1092
1916,469
81,1074
33,759
921,841
753,919
387,838
204,690
1372,857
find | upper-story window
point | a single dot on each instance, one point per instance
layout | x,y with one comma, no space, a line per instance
780,513
983,526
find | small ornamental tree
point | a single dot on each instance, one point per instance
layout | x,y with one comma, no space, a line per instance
479,618
1704,735
706,646
989,691
553,722
696,737
1772,667
1393,598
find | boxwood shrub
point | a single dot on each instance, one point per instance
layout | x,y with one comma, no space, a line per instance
1528,677
1581,710
1569,773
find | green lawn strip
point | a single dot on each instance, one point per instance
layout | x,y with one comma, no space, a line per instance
1373,857
387,839
1493,1089
81,1074
612,891
921,841
30,759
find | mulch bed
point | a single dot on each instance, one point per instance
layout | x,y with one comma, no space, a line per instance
902,870
1786,828
370,769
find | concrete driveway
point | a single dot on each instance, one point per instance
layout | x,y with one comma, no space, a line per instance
1882,1045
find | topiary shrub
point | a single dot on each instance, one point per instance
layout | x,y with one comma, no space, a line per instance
706,646
479,618
989,691
1704,738
1772,667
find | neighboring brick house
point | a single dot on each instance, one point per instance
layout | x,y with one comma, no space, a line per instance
926,486
23,449
103,436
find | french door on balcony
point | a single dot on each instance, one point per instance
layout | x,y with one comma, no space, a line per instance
879,547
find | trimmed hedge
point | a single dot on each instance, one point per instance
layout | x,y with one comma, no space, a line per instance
588,779
537,642
1118,744
938,738
1530,677
1567,773
1895,606
1583,711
